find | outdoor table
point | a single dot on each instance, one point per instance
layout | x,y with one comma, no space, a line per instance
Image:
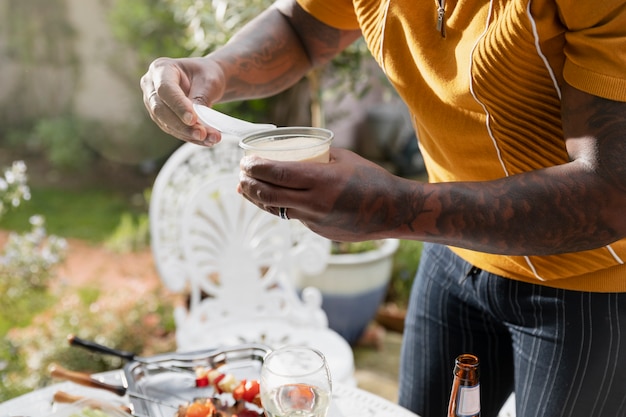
348,401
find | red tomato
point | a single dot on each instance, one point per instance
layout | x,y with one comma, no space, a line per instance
239,392
202,381
251,390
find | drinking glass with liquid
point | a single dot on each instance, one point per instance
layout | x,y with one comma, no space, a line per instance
290,144
295,382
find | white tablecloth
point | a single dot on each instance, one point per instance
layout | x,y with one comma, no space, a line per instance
347,401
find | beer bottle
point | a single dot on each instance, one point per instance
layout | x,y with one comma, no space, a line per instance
465,395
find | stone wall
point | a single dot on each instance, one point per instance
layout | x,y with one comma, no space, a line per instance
58,56
108,88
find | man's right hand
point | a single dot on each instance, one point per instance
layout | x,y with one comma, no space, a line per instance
171,86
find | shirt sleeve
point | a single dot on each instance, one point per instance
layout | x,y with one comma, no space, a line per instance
336,13
595,46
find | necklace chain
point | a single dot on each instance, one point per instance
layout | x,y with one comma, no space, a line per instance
441,17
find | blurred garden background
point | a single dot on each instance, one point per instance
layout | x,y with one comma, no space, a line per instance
78,156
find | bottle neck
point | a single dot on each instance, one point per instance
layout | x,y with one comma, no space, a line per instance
465,395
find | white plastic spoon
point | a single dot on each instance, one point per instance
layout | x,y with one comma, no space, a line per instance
228,124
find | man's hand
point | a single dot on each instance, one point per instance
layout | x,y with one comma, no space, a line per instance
169,89
347,199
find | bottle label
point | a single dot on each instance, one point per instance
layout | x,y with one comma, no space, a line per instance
469,401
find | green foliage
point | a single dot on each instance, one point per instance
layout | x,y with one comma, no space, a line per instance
19,311
133,231
131,234
88,295
63,140
151,27
405,263
354,247
210,24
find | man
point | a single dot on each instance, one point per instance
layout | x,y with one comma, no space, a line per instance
520,107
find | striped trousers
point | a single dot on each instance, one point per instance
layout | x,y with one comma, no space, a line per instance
562,352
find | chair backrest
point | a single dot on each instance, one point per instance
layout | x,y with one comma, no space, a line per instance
180,176
208,240
238,259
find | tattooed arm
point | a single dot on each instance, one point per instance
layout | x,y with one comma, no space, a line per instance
276,50
268,55
576,206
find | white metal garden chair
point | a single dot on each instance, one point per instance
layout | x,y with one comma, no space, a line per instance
235,261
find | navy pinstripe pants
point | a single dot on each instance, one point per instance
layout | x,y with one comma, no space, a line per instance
563,352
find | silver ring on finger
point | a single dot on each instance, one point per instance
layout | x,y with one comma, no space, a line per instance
282,213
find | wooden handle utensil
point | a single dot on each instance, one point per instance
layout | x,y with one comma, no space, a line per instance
84,379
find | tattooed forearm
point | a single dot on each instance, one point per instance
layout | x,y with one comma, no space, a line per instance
538,213
264,72
276,50
262,59
573,207
577,206
384,204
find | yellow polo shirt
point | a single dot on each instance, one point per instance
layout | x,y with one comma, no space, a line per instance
486,97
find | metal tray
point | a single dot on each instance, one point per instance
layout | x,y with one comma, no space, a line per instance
157,385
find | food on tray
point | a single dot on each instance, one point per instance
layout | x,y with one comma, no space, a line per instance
244,390
208,407
245,393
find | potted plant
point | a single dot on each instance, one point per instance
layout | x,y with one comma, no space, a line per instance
354,284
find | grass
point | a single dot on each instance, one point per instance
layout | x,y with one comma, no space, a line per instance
91,214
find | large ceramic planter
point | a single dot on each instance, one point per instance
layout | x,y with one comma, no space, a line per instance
353,287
